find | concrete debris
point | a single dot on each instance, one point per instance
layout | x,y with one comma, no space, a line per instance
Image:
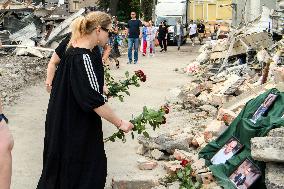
157,154
164,143
278,132
268,149
17,72
144,164
27,32
172,166
274,175
129,181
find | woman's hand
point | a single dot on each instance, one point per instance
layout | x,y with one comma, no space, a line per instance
126,126
105,90
48,87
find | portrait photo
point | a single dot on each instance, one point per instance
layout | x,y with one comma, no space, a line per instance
264,107
227,151
245,175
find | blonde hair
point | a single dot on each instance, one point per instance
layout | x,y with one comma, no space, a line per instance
85,25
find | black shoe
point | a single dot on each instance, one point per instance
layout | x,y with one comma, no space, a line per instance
161,50
117,64
178,48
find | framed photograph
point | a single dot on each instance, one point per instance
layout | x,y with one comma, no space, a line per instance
245,175
231,147
264,107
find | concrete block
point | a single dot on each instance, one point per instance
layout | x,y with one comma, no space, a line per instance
216,127
226,115
274,175
144,164
172,166
134,182
181,154
157,154
278,132
268,149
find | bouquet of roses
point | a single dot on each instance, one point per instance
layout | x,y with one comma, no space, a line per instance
115,89
148,116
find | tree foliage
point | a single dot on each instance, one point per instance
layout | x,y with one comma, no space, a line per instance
147,8
123,8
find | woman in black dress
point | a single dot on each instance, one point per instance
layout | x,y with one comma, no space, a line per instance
74,156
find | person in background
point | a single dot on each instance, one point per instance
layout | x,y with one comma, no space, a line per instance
6,146
192,31
144,38
133,33
178,33
105,53
201,31
163,36
151,37
74,155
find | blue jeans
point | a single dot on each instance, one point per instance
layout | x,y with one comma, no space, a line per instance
132,41
178,38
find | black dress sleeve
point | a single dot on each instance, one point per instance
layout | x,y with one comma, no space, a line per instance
61,49
84,83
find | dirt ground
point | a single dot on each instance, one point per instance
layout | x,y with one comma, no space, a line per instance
27,117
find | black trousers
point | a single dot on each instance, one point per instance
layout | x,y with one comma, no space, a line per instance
163,43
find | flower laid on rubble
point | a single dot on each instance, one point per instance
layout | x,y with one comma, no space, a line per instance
154,118
184,175
116,89
165,108
184,163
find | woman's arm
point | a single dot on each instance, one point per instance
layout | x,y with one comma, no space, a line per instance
107,113
54,61
1,109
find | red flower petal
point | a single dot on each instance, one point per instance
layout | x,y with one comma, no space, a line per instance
184,162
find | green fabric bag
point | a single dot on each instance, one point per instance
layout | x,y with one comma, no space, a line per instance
244,129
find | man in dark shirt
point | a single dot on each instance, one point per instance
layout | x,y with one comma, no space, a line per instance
201,31
163,35
133,33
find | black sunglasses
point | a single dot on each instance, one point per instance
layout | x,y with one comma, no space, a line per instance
109,31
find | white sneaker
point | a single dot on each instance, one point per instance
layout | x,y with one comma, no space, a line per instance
193,44
153,55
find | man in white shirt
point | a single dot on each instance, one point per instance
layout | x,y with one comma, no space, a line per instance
192,31
224,154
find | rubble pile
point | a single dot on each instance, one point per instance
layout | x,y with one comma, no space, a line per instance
270,150
224,77
249,57
192,123
17,72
